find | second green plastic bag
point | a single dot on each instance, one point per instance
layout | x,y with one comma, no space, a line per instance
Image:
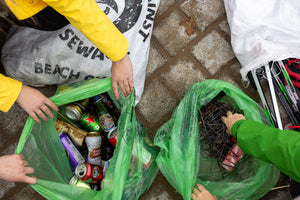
126,178
180,158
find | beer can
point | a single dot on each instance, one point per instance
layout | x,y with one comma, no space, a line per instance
90,122
112,136
74,154
75,181
75,110
88,172
232,158
76,134
93,142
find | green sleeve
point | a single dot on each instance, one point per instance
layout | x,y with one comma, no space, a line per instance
279,147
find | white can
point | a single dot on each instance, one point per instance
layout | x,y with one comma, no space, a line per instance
93,142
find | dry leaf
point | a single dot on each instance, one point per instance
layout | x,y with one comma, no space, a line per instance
189,24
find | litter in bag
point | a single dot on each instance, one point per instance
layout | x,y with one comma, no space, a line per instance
184,162
127,176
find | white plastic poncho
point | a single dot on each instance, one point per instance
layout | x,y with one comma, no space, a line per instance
263,31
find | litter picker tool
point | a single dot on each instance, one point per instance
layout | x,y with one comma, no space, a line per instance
285,103
273,96
289,86
263,98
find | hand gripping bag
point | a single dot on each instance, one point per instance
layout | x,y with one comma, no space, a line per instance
125,179
183,164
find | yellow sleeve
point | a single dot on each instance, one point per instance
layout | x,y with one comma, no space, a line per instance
91,21
9,92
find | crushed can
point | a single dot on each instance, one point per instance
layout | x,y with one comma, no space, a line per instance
88,172
75,181
232,158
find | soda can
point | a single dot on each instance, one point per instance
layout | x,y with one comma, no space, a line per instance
90,122
74,154
75,110
112,136
232,158
88,173
93,142
75,181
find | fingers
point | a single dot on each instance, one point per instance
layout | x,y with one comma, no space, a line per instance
51,105
194,197
125,86
34,117
229,113
196,191
115,89
29,180
200,187
20,156
41,114
43,111
47,111
29,170
131,83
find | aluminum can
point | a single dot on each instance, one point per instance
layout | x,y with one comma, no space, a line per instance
93,142
90,122
112,136
232,158
76,134
75,181
88,173
75,110
74,154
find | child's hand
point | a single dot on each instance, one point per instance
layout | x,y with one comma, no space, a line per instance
35,103
231,119
13,168
122,76
201,193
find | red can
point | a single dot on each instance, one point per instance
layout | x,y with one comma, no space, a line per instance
112,136
232,158
89,173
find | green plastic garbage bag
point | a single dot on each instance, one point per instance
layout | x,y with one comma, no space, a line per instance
180,159
127,176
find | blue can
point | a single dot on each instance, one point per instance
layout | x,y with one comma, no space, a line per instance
74,155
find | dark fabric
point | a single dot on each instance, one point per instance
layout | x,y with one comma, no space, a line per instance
294,189
47,19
